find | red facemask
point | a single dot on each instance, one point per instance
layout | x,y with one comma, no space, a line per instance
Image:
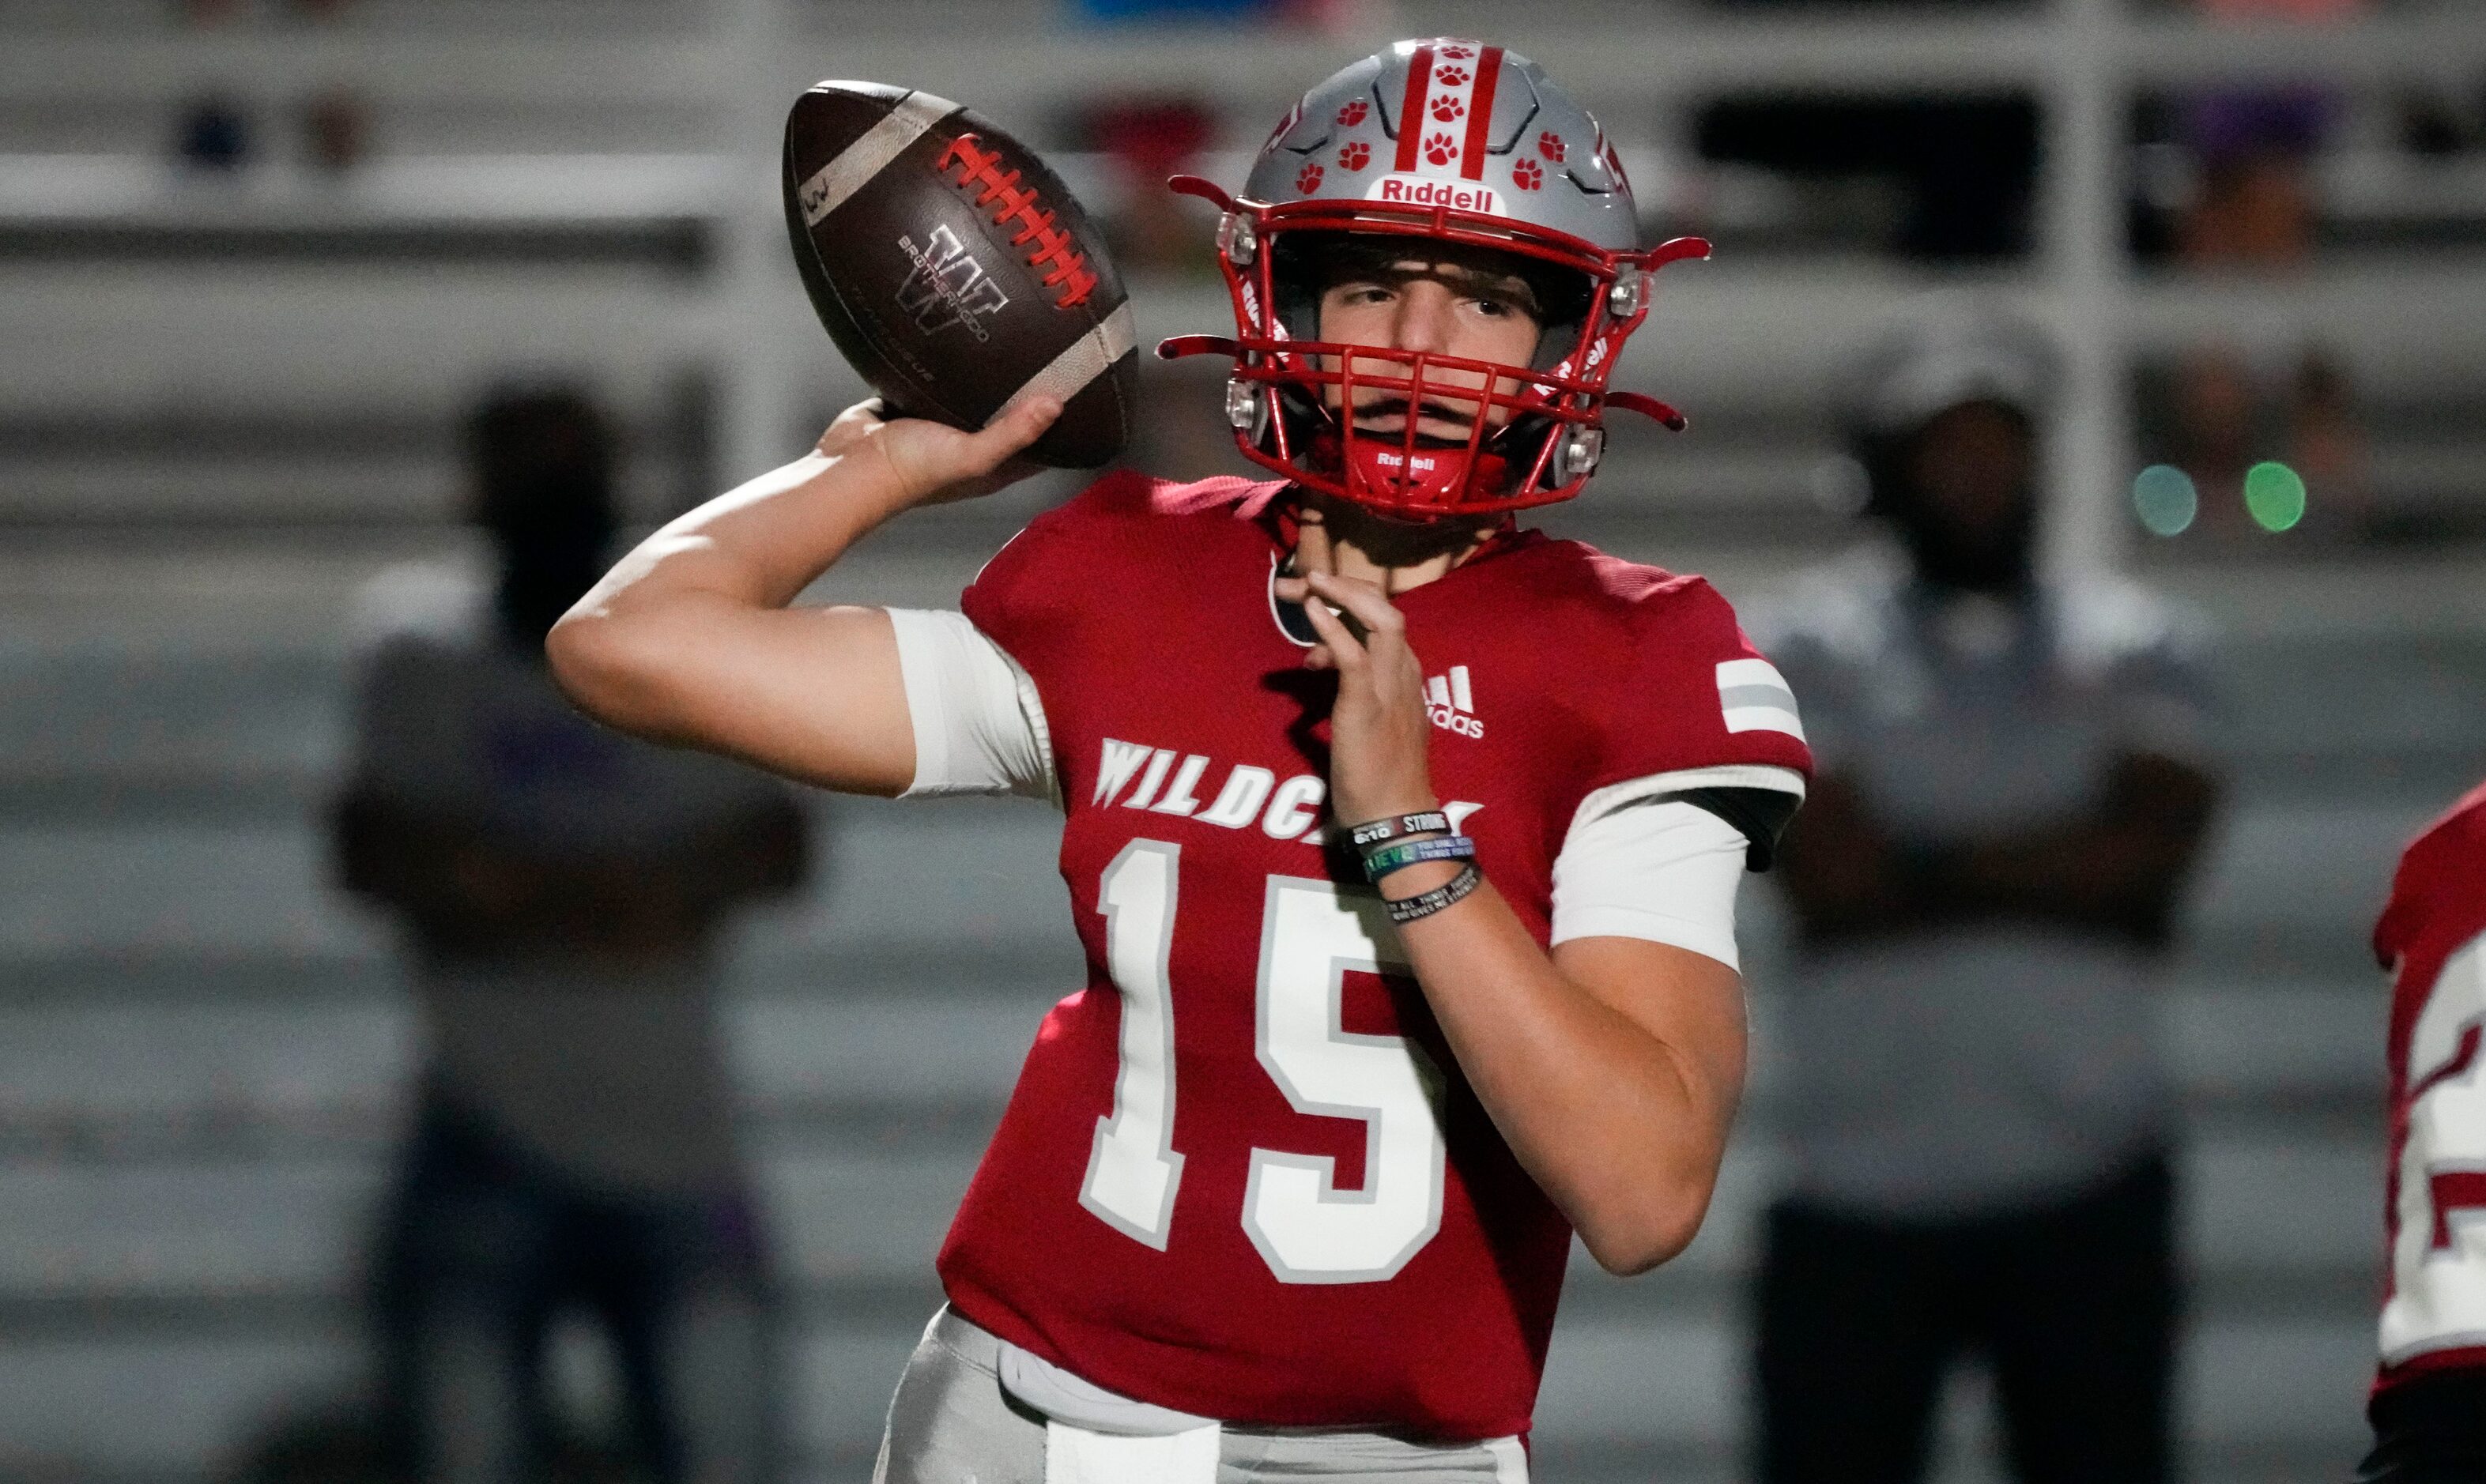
1544,431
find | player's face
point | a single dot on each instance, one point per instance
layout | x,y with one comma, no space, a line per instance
1441,306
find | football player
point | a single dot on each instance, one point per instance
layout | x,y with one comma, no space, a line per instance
2429,1401
1402,840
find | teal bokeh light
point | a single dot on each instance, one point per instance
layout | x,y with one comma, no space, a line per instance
2164,498
2274,496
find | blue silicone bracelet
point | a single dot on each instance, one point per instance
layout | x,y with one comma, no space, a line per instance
1380,863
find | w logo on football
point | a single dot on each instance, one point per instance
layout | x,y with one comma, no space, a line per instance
1450,702
948,286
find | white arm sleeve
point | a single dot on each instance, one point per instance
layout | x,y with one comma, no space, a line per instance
979,723
1640,863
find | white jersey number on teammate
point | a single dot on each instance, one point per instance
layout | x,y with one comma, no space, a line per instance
2438,1260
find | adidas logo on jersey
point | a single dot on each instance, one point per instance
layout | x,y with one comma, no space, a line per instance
1450,702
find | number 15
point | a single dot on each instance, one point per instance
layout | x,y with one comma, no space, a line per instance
1311,936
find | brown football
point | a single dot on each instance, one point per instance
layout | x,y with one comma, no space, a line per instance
954,270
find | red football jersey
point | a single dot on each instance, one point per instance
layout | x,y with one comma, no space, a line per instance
1241,1175
2432,937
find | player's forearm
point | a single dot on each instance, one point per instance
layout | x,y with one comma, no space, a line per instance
1611,1122
755,546
639,649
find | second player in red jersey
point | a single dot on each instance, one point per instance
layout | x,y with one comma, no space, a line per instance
2429,1404
1402,841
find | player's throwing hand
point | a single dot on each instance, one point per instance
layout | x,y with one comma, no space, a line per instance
932,463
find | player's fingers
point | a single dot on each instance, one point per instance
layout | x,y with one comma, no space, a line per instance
1020,423
1294,589
1344,652
1361,599
1311,544
949,464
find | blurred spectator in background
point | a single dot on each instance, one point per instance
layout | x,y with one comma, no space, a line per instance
2216,414
561,887
2012,786
2430,1395
213,134
2228,170
336,130
1148,140
2429,1402
2252,203
2327,438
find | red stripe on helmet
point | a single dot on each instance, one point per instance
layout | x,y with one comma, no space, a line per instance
1411,108
1479,114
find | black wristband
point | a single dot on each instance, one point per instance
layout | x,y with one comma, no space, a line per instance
1427,903
1381,861
1374,832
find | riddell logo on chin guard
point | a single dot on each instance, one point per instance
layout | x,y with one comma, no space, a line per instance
1423,191
1421,467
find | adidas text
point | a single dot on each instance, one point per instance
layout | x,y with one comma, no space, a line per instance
1450,702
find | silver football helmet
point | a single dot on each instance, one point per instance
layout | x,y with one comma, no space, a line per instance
1460,143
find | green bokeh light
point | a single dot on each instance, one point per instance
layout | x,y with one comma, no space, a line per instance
2275,495
2164,498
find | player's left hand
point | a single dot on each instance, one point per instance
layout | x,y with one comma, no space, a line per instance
1380,739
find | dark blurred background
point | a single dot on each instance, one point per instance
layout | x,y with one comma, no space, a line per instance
258,259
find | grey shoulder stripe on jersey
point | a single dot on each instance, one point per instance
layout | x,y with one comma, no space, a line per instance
870,154
1763,694
1082,361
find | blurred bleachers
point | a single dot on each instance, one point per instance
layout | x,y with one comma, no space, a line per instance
230,401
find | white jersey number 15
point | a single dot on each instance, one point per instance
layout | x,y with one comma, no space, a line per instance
1311,936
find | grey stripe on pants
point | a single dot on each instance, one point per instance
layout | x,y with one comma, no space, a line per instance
950,1422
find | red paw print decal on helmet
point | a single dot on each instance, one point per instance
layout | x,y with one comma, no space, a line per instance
1309,179
1550,145
1353,114
1454,53
1354,156
1528,175
1451,76
1448,110
1441,149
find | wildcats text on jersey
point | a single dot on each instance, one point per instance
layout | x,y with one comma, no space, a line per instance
1166,781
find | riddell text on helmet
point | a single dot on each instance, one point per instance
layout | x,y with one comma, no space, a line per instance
1423,191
